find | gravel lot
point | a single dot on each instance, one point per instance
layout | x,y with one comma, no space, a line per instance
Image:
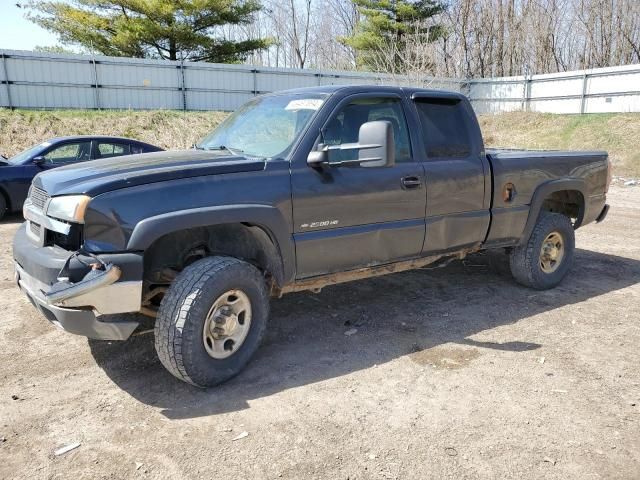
453,373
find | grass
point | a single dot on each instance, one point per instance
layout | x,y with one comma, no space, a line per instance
20,129
616,133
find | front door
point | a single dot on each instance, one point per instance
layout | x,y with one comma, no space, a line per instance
351,217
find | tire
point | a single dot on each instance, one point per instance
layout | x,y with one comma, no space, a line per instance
532,267
182,344
3,206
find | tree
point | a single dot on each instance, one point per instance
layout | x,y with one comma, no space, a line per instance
53,49
167,29
389,27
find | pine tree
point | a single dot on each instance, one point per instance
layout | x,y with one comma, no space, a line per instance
167,29
387,25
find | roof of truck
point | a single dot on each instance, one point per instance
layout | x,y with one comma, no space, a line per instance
329,89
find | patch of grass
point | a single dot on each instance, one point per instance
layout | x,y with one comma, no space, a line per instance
20,129
617,133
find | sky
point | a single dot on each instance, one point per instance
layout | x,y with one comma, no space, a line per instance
18,33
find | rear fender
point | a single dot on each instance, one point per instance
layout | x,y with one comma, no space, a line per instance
543,192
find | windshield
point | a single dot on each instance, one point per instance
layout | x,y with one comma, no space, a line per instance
28,154
265,127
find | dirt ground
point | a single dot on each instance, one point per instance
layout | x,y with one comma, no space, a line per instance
453,373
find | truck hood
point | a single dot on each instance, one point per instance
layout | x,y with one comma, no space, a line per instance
100,176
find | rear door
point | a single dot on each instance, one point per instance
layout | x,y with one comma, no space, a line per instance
457,173
351,217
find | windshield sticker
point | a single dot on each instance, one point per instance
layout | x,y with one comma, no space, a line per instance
304,104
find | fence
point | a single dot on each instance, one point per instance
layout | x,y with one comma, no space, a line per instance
43,80
600,90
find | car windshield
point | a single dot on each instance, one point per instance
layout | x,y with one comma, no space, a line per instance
265,127
27,154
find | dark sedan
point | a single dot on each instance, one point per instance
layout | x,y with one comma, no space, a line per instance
17,172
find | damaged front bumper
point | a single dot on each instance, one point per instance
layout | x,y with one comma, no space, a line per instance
81,305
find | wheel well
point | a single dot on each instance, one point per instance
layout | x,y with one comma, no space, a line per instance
567,202
171,253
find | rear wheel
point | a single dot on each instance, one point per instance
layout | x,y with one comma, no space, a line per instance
545,259
212,320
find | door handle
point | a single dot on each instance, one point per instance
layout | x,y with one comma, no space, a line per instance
411,182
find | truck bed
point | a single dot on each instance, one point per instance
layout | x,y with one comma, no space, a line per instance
526,170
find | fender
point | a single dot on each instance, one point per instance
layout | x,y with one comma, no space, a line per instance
542,192
266,217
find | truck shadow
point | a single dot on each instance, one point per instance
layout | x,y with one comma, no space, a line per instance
406,314
11,219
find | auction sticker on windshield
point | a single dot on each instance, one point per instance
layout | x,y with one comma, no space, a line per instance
304,104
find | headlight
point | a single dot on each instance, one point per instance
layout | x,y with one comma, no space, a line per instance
70,208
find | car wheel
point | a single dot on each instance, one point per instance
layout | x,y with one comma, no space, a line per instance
212,320
544,260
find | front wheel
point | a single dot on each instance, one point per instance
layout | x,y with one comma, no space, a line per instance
545,259
212,320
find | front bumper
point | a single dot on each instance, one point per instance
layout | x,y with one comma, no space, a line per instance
37,270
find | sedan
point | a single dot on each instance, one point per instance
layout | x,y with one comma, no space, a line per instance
17,172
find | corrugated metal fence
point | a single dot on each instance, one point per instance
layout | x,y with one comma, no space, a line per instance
37,80
43,80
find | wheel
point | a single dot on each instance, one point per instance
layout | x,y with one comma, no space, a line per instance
3,206
545,259
212,320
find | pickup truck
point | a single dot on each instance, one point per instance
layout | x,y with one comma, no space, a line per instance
294,191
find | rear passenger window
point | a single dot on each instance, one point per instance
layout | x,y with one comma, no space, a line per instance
106,150
444,127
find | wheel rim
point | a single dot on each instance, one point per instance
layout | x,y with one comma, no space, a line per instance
227,324
551,252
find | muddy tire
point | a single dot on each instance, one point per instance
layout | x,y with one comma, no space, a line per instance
212,320
545,259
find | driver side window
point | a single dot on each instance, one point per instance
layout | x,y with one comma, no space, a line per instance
69,153
345,126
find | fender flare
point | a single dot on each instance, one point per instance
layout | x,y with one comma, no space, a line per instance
542,192
268,218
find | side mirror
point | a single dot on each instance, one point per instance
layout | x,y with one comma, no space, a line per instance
375,147
317,158
39,160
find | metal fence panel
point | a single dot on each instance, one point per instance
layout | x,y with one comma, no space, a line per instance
52,96
213,100
43,80
140,98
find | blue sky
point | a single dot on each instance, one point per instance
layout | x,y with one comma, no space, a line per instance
18,33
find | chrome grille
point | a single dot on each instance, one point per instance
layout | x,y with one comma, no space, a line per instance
38,197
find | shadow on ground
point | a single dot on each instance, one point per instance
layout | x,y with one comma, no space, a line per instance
11,219
395,315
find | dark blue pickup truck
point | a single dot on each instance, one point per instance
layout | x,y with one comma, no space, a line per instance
294,191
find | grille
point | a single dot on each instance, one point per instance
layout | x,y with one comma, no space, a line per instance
38,197
35,228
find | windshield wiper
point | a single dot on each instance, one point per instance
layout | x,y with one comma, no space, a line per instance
231,150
